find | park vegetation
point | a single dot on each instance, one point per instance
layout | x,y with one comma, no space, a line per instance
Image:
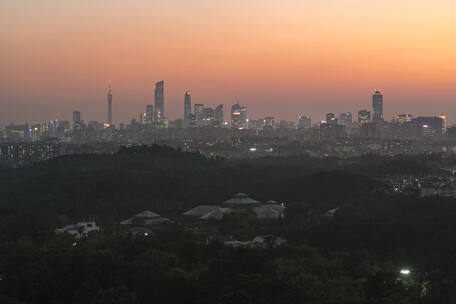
354,256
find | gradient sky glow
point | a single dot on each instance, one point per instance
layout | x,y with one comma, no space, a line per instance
281,58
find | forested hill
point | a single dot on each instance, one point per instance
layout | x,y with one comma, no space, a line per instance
353,257
166,180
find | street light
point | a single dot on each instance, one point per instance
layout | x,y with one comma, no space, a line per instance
405,271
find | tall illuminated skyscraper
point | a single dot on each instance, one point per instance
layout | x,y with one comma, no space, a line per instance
159,100
109,105
377,106
187,109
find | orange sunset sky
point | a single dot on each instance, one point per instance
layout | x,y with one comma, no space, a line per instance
280,58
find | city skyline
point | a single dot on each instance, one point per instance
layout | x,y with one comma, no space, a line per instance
279,59
159,99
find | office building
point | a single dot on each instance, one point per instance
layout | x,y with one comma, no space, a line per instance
363,117
77,126
219,115
304,122
345,119
431,126
149,114
331,119
199,114
109,105
236,116
143,118
77,122
269,122
187,109
444,123
402,118
377,106
159,101
244,118
64,124
208,116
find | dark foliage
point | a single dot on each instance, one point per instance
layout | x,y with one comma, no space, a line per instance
353,257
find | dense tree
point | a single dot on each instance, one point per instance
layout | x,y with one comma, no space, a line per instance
351,257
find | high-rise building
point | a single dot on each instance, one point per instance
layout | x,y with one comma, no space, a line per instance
77,122
187,109
377,106
331,119
149,114
77,126
65,124
244,118
219,115
208,116
402,118
143,117
364,117
159,101
269,122
304,122
109,105
435,125
444,123
236,116
199,114
345,119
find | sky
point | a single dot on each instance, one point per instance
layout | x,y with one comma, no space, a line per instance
279,58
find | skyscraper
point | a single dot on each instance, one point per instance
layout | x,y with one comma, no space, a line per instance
77,120
187,109
304,122
236,116
109,105
331,119
403,118
143,117
159,100
444,123
77,126
377,106
431,125
149,114
269,122
199,114
208,116
244,118
219,115
364,117
345,119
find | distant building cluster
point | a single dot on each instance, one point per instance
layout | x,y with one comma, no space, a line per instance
205,129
